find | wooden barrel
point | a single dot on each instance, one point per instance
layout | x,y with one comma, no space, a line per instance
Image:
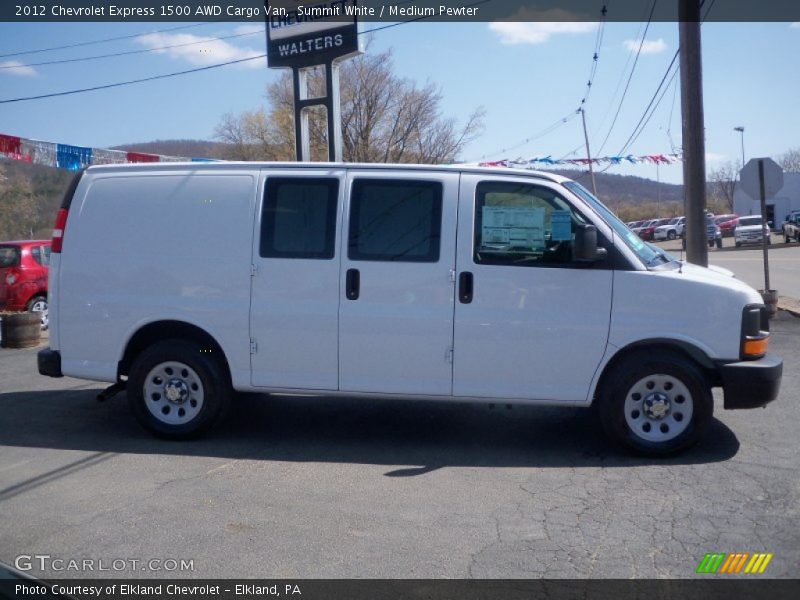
20,330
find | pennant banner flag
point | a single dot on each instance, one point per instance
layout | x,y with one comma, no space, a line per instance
532,163
75,158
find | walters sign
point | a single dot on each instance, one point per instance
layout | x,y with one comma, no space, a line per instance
307,33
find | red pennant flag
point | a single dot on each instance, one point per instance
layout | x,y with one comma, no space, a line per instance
10,144
141,157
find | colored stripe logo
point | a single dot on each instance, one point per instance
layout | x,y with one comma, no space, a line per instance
735,563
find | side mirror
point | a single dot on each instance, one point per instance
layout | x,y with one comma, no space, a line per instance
584,248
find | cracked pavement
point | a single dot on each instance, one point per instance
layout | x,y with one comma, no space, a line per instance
320,487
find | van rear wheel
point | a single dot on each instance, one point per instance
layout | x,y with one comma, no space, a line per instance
177,391
658,403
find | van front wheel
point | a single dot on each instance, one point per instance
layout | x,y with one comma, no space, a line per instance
659,404
176,390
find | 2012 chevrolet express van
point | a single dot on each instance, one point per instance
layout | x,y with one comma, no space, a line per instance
184,282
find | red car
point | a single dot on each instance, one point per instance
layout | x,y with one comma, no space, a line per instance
648,231
23,276
727,224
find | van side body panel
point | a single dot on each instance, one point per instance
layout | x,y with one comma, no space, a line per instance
153,245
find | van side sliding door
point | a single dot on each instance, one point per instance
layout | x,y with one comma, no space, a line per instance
294,308
397,282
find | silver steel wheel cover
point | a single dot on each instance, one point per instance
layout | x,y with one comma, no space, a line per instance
658,408
173,393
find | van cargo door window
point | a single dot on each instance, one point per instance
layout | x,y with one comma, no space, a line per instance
299,218
395,220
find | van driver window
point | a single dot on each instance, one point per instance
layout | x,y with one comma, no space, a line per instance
522,224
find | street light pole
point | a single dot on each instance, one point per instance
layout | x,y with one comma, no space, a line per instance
740,129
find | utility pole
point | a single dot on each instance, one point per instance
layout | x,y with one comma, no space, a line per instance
588,152
694,153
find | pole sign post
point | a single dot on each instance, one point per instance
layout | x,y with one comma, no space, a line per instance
762,178
302,34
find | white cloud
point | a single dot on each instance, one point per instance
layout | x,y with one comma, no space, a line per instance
201,51
536,33
532,26
14,67
648,47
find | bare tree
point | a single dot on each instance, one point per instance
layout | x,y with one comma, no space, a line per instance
18,207
790,160
385,118
722,184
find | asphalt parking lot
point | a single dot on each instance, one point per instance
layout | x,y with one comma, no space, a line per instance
318,487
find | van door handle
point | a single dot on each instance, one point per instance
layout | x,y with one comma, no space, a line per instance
465,287
353,284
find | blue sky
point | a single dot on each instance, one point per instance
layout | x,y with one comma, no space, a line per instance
526,76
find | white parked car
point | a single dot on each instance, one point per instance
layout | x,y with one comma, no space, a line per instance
751,230
670,230
184,282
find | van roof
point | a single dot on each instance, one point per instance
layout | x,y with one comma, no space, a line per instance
225,165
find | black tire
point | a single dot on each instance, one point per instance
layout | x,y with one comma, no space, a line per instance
35,305
666,366
205,382
671,235
738,244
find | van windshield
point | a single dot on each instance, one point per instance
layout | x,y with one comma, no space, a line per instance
647,254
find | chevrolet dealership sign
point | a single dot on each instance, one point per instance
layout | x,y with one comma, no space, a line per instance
307,33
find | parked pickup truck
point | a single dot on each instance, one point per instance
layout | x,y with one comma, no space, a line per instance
791,227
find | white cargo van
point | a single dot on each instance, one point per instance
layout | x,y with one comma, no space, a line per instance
184,282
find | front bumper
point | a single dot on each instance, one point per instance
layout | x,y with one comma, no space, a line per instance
751,383
49,362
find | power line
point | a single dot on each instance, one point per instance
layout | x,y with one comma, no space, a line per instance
671,113
630,77
565,119
547,130
645,119
185,72
621,79
656,100
132,81
129,52
596,57
103,41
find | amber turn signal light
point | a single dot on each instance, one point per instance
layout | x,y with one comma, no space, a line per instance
756,347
